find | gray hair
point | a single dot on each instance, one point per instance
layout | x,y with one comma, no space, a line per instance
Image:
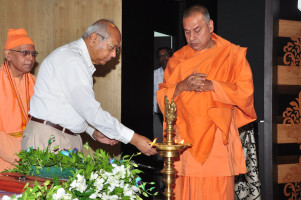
197,9
100,27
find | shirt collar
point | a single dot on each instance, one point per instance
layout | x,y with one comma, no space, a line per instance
86,55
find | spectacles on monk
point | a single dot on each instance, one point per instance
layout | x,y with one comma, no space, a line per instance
110,46
26,52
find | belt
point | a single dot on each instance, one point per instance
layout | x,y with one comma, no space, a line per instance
58,127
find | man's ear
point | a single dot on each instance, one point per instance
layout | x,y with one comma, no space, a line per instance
211,26
7,55
93,39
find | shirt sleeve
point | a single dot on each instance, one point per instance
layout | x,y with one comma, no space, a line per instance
76,82
90,131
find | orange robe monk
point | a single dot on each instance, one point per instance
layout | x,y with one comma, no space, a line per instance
14,107
16,89
210,120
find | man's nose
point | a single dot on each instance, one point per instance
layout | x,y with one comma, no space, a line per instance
192,36
113,53
30,57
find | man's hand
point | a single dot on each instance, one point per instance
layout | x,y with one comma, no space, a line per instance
103,139
142,143
195,82
205,86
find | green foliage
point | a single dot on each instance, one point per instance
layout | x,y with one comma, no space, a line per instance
90,177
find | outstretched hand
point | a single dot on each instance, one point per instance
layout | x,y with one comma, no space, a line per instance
104,139
142,143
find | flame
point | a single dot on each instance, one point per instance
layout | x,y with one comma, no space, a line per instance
153,142
175,140
182,142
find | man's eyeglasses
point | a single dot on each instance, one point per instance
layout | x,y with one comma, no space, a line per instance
26,52
110,46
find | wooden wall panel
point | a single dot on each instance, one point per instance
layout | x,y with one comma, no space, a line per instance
288,134
288,75
282,171
35,17
287,173
289,28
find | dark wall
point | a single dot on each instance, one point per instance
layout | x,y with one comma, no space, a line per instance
167,17
137,68
242,22
289,10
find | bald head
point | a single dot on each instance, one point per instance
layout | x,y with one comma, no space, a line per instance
100,26
102,39
197,9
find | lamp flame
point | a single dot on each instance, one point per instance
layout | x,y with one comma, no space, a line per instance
153,142
182,142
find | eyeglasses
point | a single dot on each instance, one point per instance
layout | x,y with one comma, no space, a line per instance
26,52
110,46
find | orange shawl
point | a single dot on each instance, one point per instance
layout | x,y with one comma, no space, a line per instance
14,109
198,113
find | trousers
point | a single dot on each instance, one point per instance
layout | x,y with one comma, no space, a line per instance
37,135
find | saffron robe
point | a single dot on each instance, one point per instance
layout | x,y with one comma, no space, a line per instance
210,120
14,106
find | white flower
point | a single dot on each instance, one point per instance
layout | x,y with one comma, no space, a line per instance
81,187
79,184
135,188
130,190
73,184
113,183
105,174
121,183
61,195
120,172
105,196
114,197
99,183
109,197
93,176
80,178
93,196
5,197
67,197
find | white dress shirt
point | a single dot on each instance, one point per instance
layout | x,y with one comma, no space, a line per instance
158,78
63,94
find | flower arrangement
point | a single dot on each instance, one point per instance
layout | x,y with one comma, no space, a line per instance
92,177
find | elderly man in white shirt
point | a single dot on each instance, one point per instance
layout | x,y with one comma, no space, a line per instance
63,104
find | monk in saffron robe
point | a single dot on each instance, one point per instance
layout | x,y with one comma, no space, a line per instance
16,88
211,83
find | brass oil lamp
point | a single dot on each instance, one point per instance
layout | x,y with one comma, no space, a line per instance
169,149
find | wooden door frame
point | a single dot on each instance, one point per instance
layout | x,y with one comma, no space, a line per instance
268,138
